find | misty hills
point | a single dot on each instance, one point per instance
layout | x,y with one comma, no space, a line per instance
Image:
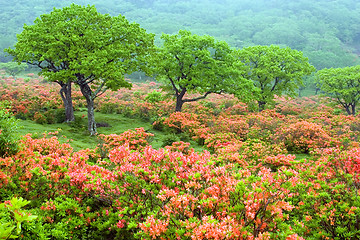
327,31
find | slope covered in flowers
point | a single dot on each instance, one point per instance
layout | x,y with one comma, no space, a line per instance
248,184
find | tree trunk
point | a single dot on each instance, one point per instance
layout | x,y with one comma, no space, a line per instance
179,100
347,108
91,116
261,105
353,111
87,93
179,104
65,93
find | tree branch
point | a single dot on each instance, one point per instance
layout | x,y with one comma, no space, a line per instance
198,98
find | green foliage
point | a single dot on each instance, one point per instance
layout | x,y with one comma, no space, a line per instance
328,206
327,35
12,68
8,131
55,115
154,97
342,84
12,217
189,63
274,71
81,45
66,44
169,139
248,188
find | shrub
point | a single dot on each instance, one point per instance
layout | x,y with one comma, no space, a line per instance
108,107
12,216
8,135
236,125
154,97
184,123
219,140
169,139
302,136
55,115
40,118
326,199
135,139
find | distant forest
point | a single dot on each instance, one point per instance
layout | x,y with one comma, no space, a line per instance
327,31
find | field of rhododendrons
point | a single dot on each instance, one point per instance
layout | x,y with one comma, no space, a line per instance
251,182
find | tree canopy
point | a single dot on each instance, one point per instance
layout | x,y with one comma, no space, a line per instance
343,84
189,63
13,68
78,44
274,71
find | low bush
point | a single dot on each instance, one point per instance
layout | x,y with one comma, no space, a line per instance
302,136
8,131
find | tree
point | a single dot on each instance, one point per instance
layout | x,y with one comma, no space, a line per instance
274,71
77,44
189,63
343,84
12,68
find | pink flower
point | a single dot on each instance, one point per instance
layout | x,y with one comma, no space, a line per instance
121,224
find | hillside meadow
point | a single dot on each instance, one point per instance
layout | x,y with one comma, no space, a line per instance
217,170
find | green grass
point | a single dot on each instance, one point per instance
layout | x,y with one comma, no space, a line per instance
300,156
80,138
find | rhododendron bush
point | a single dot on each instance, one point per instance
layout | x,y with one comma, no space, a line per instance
248,183
147,192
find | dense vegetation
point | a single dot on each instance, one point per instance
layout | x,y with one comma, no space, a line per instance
77,44
326,31
252,182
266,167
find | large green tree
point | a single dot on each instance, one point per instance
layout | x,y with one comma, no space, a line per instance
189,63
274,71
343,84
78,44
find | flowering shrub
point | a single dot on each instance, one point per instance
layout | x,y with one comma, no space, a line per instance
182,122
264,125
121,194
39,118
30,97
254,150
236,125
137,139
254,154
181,146
277,161
229,208
46,166
219,140
248,187
302,136
236,109
304,107
327,196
